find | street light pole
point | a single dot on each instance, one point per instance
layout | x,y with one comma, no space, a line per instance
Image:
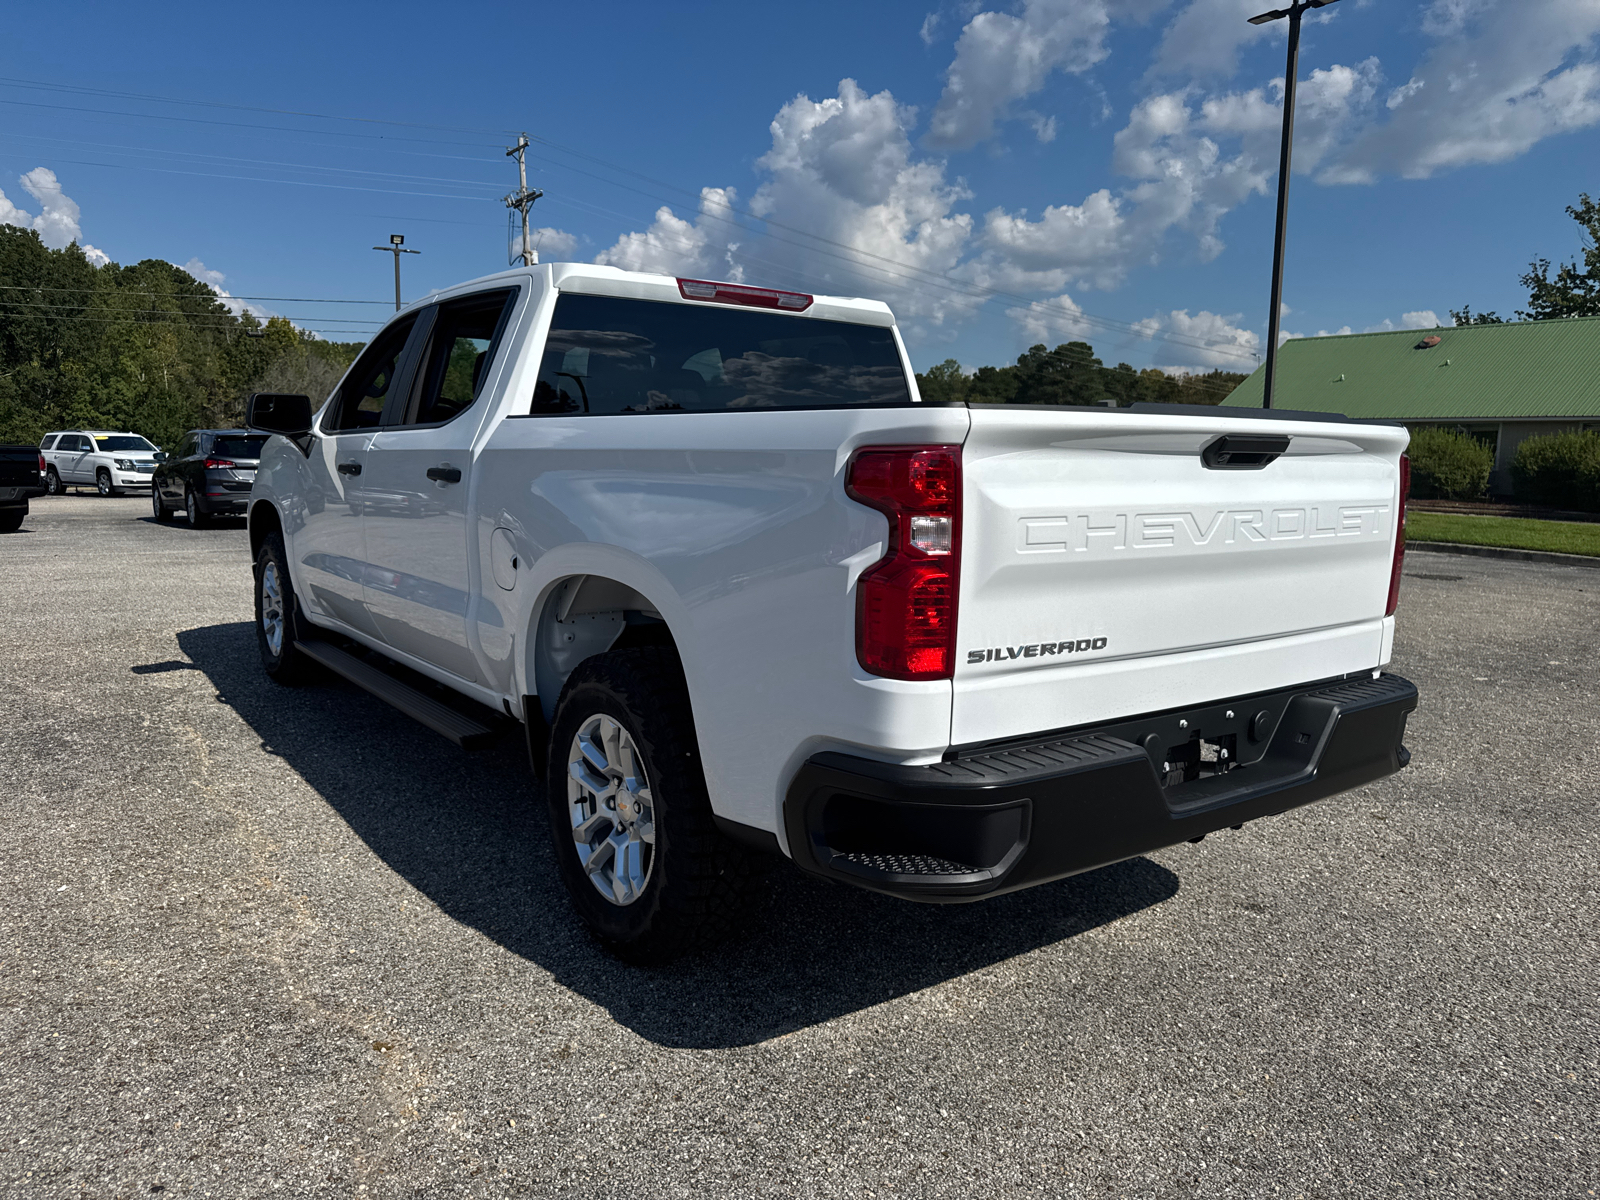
1291,74
396,242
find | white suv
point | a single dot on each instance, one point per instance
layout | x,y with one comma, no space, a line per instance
111,462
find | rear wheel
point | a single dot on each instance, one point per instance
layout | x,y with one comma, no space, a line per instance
11,518
198,517
102,481
156,507
634,838
278,616
52,483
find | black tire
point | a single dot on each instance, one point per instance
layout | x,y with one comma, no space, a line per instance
698,881
286,664
198,517
157,508
11,518
52,483
102,481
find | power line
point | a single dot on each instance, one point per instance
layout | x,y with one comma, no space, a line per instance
19,287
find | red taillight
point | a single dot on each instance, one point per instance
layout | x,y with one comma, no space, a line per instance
906,602
1399,537
737,293
41,464
220,462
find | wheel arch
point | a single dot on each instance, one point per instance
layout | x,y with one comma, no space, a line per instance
263,519
580,614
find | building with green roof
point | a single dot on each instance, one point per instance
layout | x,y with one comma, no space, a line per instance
1500,383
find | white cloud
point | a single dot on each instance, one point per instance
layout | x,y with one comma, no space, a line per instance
843,172
551,245
214,280
96,256
1502,76
674,246
930,28
58,221
1051,321
1002,58
1421,319
1205,38
1208,340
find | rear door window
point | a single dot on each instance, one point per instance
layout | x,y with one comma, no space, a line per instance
461,347
610,355
360,400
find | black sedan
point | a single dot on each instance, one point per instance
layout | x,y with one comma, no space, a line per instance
208,475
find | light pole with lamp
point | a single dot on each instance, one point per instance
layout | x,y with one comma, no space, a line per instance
396,243
1294,12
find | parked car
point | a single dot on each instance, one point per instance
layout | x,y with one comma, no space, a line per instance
110,462
21,478
208,475
745,590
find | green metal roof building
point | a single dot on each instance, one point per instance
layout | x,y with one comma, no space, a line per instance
1501,383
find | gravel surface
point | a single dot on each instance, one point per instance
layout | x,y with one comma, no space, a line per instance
258,941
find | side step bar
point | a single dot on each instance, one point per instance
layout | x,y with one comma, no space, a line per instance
441,718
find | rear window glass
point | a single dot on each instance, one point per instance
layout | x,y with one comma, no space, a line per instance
610,355
48,443
126,441
238,447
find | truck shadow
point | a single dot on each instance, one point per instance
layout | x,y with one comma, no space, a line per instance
467,831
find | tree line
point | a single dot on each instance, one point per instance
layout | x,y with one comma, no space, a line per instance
1071,374
146,348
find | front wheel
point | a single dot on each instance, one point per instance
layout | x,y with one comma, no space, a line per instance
278,616
102,482
634,837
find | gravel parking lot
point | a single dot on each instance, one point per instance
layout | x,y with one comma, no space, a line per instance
257,941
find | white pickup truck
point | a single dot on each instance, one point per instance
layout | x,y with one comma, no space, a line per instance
746,591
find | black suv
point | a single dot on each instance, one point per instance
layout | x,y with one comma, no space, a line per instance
208,475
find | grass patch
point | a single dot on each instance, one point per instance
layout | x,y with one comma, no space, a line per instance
1516,533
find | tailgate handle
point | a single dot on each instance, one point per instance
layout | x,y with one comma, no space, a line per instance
1234,453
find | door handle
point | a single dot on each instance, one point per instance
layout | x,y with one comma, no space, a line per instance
349,468
445,474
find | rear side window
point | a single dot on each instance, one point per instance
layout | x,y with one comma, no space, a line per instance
48,443
367,388
461,348
611,355
237,446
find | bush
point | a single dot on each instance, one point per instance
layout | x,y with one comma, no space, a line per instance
1559,469
1448,465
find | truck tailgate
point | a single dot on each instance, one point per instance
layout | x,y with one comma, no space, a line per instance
1108,571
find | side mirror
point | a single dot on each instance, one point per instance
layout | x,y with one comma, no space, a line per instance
278,412
160,456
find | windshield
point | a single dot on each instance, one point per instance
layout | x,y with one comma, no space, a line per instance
121,441
238,447
610,355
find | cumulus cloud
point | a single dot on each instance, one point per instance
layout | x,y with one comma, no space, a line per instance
58,221
214,280
1206,37
1207,339
1003,57
1050,321
675,246
551,245
1502,76
1424,318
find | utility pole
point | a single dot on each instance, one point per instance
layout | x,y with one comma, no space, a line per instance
522,199
396,241
1294,12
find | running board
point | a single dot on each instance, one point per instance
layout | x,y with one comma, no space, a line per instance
441,718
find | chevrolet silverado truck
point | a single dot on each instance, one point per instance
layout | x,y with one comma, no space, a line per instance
21,478
745,591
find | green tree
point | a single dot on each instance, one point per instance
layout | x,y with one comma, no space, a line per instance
944,383
1571,292
1465,316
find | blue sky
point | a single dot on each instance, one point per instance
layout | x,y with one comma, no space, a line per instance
1000,174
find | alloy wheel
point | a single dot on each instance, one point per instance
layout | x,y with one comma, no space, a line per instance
272,608
612,809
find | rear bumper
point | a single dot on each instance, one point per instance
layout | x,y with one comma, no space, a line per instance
20,495
1000,819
